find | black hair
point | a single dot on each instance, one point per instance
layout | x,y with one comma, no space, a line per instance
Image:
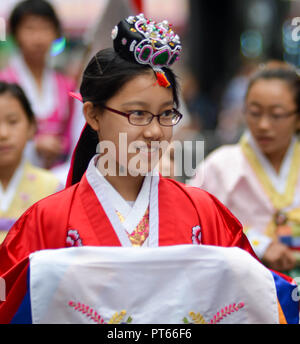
33,7
286,74
17,92
106,73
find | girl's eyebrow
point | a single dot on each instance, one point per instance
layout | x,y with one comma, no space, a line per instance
271,106
11,114
170,102
135,102
254,103
141,103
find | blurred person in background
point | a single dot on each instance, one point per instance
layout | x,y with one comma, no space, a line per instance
231,121
21,183
258,179
102,205
34,26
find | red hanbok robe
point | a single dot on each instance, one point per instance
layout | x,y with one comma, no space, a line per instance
181,208
187,215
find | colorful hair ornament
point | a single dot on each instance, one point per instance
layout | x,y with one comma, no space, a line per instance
144,41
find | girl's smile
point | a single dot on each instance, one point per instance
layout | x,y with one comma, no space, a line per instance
141,93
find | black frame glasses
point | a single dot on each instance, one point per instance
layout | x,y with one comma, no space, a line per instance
159,116
275,118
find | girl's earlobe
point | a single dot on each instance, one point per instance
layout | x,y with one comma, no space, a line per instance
91,115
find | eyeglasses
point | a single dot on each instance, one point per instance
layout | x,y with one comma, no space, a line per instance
168,118
256,115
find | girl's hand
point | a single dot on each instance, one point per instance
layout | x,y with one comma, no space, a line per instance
279,257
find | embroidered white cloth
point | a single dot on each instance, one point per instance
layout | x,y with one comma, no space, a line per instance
162,285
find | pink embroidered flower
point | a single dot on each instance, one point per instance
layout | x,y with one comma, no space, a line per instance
31,176
196,235
24,196
73,238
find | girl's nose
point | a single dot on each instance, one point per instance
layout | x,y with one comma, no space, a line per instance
264,122
4,131
153,130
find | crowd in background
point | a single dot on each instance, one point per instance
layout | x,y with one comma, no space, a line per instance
50,138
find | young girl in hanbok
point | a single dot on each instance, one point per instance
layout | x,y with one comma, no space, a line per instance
114,195
21,184
258,179
34,27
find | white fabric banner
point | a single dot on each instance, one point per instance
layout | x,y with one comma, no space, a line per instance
162,285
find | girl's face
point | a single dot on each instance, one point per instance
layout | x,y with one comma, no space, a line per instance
271,115
35,35
133,147
15,131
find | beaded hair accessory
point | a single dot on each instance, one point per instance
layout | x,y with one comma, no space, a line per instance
144,41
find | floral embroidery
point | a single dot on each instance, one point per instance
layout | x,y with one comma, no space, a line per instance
199,319
255,242
97,318
226,311
24,196
89,312
31,176
118,317
73,238
196,235
141,232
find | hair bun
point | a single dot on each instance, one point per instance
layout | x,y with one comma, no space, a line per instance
144,41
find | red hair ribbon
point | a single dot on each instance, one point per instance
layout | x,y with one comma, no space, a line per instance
162,79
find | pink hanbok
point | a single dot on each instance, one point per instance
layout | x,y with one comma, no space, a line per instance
267,203
52,105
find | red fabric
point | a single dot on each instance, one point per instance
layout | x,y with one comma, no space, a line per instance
46,224
162,80
16,286
71,169
138,5
218,225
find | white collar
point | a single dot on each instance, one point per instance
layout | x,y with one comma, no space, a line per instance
278,180
6,196
111,201
132,214
43,103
